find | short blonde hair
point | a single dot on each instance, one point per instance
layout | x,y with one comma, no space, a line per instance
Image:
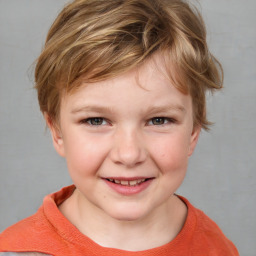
93,40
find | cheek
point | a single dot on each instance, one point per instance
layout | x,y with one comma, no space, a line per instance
171,154
84,156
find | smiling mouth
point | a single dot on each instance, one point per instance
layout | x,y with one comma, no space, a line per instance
128,182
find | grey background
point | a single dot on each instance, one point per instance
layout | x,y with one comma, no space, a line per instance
221,176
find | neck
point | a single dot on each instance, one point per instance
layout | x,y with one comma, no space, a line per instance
148,232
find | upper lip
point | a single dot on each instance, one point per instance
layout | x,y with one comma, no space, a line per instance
128,178
127,181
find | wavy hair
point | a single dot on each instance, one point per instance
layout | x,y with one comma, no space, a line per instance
93,40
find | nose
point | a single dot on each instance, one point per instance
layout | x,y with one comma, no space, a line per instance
128,148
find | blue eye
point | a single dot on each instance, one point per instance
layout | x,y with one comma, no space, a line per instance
96,121
160,121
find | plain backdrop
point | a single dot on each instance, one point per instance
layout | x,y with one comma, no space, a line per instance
221,176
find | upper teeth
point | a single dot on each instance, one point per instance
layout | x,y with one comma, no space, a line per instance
124,182
128,182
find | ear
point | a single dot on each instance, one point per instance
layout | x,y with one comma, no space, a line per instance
193,139
56,135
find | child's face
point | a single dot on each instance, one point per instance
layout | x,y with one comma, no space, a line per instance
127,145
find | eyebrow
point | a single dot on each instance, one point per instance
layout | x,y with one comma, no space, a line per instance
151,110
92,108
166,108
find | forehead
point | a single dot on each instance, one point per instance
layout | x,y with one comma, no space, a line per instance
149,83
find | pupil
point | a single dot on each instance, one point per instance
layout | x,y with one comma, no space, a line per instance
96,121
158,120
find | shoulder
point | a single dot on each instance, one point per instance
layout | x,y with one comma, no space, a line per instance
22,254
31,234
40,224
27,237
207,236
209,230
21,232
35,233
25,225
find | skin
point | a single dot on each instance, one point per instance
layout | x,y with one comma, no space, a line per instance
134,125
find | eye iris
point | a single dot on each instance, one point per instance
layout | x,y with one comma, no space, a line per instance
158,121
96,121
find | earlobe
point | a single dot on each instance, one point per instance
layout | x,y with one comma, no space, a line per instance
56,135
193,140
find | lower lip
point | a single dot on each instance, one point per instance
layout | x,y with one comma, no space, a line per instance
128,190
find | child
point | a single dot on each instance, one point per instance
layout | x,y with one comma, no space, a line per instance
122,84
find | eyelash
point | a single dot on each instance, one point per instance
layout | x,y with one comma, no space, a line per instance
103,121
165,120
91,119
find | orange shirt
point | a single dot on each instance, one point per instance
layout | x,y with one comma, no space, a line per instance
48,231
